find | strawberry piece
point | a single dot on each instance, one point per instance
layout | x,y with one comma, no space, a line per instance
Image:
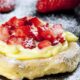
35,21
60,38
22,31
34,33
4,33
15,22
45,6
29,43
12,22
19,32
46,33
28,30
44,44
14,40
11,40
57,29
22,21
7,5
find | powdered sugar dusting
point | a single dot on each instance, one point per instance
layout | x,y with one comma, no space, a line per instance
4,3
29,42
34,30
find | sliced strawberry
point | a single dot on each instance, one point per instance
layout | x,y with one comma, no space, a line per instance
22,21
44,44
57,29
29,43
4,33
60,38
14,40
12,21
34,33
35,21
21,31
46,33
28,30
15,22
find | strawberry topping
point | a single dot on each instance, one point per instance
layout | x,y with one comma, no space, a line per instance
30,33
46,33
35,21
44,43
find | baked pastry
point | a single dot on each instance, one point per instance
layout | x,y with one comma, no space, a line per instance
33,48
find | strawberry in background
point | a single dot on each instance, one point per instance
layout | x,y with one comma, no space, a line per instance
45,6
7,5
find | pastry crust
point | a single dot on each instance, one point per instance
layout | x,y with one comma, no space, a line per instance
65,61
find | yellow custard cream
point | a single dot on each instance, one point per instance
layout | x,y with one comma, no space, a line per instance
18,52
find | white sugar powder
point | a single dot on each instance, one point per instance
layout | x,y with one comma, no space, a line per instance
4,3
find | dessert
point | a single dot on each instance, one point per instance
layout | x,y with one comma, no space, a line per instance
7,5
31,48
45,6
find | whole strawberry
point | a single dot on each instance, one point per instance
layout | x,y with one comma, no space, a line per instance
45,6
7,5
